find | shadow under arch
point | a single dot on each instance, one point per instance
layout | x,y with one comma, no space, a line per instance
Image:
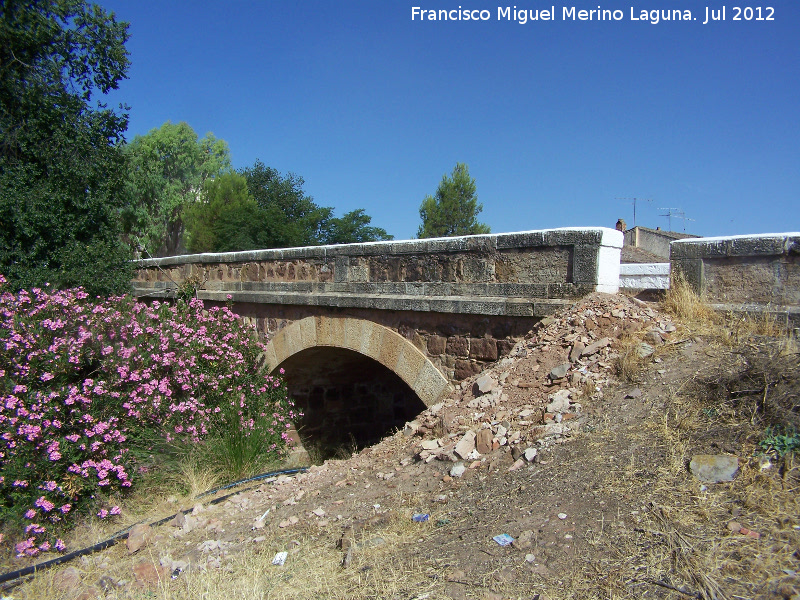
374,341
355,381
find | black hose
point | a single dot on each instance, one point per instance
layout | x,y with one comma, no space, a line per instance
124,532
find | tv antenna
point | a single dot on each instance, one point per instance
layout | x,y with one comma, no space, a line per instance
634,201
678,214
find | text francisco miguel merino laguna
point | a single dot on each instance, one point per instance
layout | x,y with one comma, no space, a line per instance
571,13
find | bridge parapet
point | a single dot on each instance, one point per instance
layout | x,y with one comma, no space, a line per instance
525,274
744,273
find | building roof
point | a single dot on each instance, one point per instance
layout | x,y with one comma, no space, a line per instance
632,254
669,234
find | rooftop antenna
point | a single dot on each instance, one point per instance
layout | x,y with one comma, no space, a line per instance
678,214
634,201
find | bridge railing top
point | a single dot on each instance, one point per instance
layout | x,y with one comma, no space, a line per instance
736,245
566,236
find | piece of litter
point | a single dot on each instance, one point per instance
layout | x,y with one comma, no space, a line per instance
420,518
376,506
562,516
264,516
503,539
280,558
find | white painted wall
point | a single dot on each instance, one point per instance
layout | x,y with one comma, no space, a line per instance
644,276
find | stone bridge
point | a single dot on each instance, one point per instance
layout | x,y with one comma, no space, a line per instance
369,334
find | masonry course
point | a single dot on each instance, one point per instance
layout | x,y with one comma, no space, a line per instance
460,303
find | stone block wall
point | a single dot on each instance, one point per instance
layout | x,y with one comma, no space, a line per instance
516,274
461,301
753,272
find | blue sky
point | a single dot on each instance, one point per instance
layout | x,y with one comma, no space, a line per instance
556,119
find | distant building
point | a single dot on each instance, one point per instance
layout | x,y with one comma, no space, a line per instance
649,245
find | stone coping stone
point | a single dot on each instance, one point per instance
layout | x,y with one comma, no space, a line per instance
566,236
486,305
736,245
644,269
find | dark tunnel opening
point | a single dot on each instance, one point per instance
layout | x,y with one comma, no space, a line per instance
349,400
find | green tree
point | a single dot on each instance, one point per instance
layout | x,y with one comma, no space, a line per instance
61,167
454,209
353,227
293,218
168,167
226,218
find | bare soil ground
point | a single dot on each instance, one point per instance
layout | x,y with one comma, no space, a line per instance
607,507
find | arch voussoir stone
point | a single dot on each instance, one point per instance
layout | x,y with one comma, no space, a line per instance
365,337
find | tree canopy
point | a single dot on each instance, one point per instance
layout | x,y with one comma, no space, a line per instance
224,218
61,167
167,169
294,219
454,209
352,227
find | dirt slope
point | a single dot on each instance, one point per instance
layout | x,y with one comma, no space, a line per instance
602,504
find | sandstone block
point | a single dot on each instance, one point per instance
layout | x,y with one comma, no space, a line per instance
483,349
458,346
483,441
436,345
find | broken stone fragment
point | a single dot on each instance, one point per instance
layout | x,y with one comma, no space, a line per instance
483,441
484,385
138,537
466,444
644,350
714,468
594,348
576,351
653,338
559,402
560,371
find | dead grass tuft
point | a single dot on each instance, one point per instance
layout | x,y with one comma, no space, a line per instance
682,302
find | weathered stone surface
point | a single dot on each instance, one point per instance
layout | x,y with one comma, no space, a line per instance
458,346
484,385
714,468
644,350
559,402
560,371
593,348
138,537
436,345
483,349
577,349
483,441
466,445
147,575
465,369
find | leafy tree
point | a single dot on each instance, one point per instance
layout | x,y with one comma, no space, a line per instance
353,227
61,168
293,218
168,167
226,218
454,209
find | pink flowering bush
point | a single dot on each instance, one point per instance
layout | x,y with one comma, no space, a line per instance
85,384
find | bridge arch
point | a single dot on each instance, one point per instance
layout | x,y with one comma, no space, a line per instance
374,341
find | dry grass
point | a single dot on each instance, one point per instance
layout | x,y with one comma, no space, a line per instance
682,302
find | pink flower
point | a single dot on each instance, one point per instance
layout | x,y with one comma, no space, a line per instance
115,510
30,513
60,545
103,513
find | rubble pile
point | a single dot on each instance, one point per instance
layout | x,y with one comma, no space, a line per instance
534,398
